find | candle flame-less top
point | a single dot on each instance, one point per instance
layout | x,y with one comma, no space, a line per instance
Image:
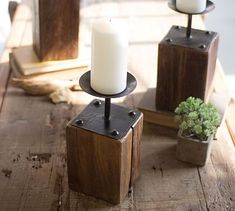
191,6
109,56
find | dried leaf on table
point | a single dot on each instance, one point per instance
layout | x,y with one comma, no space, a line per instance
62,95
44,87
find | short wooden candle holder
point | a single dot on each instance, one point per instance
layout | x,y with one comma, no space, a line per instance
186,66
103,146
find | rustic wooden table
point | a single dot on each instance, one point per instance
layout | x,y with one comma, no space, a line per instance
33,169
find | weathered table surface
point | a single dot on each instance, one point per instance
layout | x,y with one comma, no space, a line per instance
33,170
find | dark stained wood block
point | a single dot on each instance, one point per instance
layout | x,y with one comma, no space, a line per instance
185,67
137,129
101,166
55,29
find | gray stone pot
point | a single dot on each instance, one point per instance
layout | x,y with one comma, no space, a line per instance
193,150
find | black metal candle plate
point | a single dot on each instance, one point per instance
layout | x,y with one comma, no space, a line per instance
92,119
86,86
209,7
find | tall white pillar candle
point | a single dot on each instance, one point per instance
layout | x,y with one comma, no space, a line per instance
191,6
109,51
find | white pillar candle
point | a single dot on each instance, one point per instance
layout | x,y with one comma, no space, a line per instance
109,50
191,6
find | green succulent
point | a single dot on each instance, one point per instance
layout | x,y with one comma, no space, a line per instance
197,119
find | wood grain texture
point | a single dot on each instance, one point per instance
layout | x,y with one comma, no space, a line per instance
101,166
4,76
219,98
39,128
218,176
18,26
185,69
137,129
98,165
55,29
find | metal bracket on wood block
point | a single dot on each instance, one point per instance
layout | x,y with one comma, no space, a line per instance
199,39
92,119
186,66
103,156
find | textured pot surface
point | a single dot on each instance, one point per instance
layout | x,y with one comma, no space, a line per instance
193,150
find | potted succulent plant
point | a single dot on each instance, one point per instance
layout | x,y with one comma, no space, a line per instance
198,123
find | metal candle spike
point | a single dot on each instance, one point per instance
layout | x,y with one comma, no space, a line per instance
107,109
189,27
111,120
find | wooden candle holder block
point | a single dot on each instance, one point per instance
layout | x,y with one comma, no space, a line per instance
102,162
55,29
185,66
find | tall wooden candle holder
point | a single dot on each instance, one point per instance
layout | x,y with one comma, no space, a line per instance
186,65
103,146
55,29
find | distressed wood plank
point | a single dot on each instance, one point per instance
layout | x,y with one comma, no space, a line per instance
4,75
218,176
14,40
166,184
35,180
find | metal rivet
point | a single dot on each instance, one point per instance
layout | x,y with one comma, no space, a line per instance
178,27
169,40
132,113
97,103
79,122
209,32
202,46
114,133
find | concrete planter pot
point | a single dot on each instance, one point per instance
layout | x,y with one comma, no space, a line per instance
193,150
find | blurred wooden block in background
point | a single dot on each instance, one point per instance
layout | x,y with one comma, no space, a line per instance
55,29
